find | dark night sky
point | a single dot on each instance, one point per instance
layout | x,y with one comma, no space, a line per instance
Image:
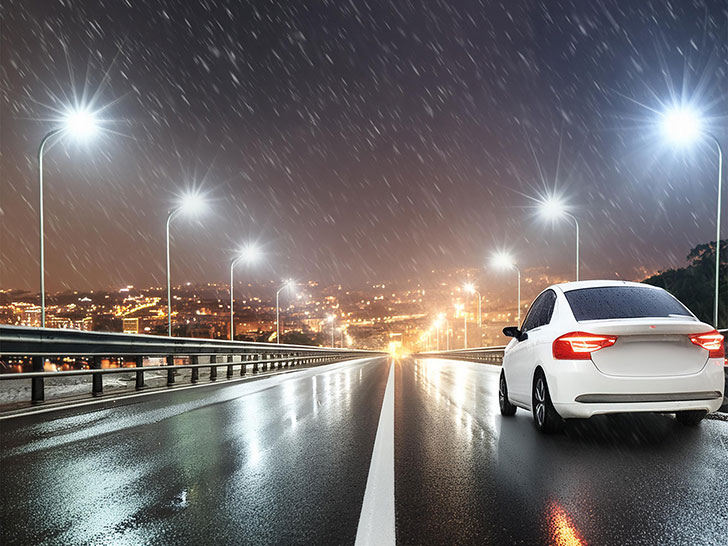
356,140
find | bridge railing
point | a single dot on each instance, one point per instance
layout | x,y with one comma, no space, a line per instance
43,344
488,355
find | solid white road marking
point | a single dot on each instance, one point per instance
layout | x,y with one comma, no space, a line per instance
376,522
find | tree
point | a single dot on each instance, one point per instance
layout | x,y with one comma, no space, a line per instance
694,285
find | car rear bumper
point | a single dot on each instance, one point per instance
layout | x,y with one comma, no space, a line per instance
580,390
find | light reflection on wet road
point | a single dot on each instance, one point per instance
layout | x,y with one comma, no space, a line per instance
285,459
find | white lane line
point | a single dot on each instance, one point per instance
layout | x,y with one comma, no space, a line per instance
376,522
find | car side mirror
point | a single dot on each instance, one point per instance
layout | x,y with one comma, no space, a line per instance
513,331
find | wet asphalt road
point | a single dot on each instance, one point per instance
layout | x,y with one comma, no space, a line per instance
285,460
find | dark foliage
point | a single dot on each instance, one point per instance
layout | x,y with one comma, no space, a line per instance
694,285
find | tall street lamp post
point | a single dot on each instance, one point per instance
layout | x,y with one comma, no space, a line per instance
553,208
331,320
286,284
681,125
248,254
191,203
80,123
505,261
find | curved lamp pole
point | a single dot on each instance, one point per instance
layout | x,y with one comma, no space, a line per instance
79,123
681,125
190,203
505,261
470,288
553,208
331,320
248,254
286,284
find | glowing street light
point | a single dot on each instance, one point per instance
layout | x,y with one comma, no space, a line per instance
249,254
288,284
79,123
330,319
461,309
191,203
503,260
553,209
681,126
470,289
436,325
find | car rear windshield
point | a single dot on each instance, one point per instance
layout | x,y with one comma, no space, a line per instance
615,302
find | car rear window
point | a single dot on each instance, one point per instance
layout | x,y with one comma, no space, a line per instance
615,302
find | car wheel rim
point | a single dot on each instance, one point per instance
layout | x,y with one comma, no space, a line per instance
540,396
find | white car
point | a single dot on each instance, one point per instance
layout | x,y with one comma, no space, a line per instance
601,347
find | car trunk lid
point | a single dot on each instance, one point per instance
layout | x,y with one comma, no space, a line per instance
649,347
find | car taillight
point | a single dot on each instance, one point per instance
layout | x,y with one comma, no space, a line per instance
580,345
712,342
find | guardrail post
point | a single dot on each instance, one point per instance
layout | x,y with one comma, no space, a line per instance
97,381
194,359
255,363
243,360
264,366
139,362
230,366
170,372
37,387
213,368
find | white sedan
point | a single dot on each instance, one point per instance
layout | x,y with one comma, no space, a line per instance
601,347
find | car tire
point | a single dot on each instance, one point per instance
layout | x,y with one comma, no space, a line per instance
545,416
506,408
690,418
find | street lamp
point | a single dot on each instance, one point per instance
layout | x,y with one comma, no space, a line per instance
681,126
436,325
331,320
191,203
553,208
505,261
81,123
286,284
460,307
470,289
249,254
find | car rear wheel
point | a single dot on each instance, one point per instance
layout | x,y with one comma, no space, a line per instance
506,408
545,415
690,418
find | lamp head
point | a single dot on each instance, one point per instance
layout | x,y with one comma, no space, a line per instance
249,254
503,260
81,123
192,203
469,288
552,208
681,125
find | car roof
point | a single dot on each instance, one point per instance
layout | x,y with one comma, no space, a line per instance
568,286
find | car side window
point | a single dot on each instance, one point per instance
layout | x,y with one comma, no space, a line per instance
532,318
547,308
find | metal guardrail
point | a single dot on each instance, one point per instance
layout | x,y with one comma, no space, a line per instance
40,344
487,355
